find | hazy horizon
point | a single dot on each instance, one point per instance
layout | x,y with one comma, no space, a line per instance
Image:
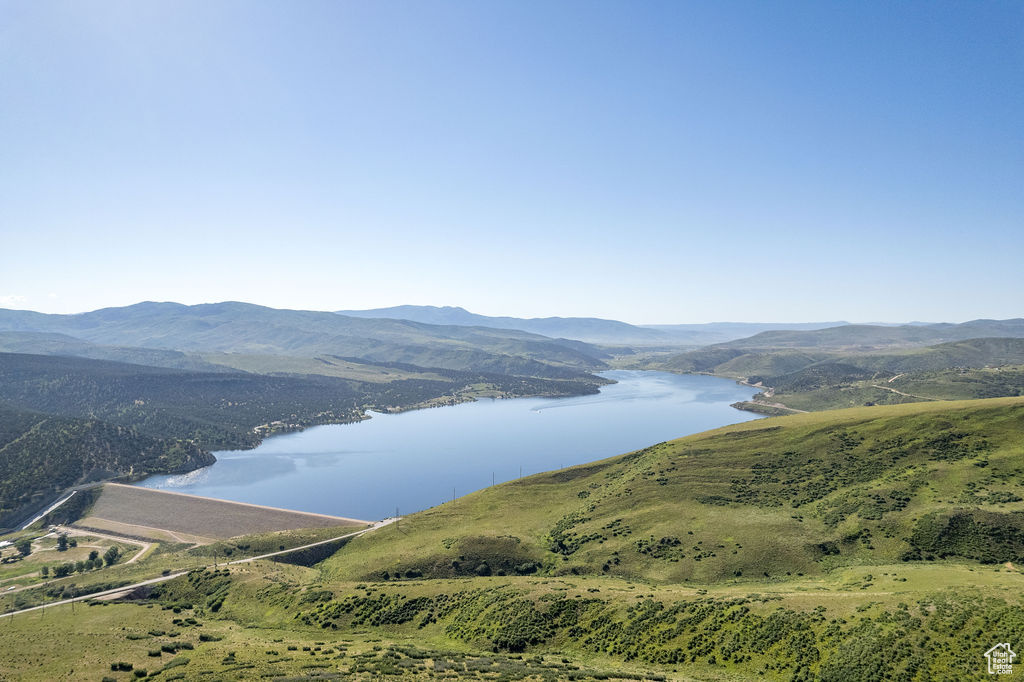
527,316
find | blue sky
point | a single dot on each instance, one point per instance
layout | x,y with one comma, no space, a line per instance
645,161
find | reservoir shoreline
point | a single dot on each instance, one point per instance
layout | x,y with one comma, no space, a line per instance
420,458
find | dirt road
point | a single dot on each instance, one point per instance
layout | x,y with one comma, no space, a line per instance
907,395
125,589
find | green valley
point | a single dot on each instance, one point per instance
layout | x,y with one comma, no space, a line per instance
806,547
511,341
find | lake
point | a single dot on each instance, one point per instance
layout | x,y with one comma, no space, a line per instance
418,459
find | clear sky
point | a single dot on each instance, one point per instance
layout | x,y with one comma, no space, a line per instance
646,161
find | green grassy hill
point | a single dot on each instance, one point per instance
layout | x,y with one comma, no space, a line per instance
971,353
768,499
867,544
868,337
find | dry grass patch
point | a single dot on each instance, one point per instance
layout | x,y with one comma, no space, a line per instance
175,514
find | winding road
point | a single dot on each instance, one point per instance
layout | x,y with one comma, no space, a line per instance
908,395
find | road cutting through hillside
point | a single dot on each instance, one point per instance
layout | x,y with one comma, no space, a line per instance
126,589
908,395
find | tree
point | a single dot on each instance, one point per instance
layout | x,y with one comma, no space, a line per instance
62,543
44,571
93,554
112,555
24,546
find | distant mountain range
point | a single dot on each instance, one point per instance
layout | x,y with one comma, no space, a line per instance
588,329
898,348
157,333
51,343
875,337
722,332
168,334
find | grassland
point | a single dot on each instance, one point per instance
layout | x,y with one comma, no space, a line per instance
17,572
889,388
178,642
864,544
283,622
957,384
155,533
747,500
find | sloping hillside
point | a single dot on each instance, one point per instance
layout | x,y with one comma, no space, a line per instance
868,337
588,329
41,455
812,380
221,409
245,328
769,499
68,420
868,544
45,343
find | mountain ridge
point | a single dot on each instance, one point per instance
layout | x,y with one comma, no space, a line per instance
589,329
248,328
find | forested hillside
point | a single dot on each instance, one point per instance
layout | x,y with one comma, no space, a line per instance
45,343
41,455
70,420
170,382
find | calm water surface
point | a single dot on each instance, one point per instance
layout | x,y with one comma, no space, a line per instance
414,460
